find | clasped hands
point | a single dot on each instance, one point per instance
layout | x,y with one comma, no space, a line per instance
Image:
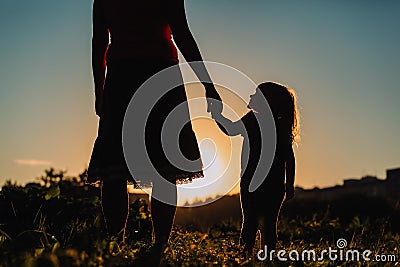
214,102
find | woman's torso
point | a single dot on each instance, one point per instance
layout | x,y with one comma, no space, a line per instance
138,30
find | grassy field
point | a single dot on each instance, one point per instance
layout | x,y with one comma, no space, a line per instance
57,222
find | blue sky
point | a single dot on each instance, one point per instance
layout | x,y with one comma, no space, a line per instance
341,57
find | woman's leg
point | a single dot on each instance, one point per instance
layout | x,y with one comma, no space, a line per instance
163,212
114,200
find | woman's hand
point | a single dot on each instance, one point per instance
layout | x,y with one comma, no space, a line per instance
289,192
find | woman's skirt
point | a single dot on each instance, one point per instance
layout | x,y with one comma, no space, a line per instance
107,160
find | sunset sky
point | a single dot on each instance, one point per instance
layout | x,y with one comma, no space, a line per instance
341,57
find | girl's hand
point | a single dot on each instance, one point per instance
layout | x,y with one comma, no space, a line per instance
289,192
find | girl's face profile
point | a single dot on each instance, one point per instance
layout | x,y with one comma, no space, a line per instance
256,101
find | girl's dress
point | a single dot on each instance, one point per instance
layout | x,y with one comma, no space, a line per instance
141,46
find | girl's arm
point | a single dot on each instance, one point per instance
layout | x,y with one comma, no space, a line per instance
100,42
187,45
229,127
290,173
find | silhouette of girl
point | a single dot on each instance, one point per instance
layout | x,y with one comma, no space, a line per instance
265,202
132,41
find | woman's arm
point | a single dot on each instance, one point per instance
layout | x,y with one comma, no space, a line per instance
290,173
100,42
187,45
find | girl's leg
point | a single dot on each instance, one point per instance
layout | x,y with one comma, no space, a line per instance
269,233
114,200
162,213
249,224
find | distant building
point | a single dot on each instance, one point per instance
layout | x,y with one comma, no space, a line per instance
393,183
367,185
393,175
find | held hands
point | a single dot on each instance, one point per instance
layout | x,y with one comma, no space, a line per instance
214,102
214,106
289,192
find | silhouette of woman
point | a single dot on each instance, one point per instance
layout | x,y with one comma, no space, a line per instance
132,41
265,202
